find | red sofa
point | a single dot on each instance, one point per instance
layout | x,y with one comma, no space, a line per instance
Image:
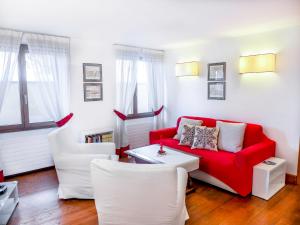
233,169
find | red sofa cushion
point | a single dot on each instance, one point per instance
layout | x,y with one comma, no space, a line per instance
220,163
220,157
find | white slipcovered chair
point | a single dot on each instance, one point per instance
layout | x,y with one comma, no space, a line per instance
139,194
72,162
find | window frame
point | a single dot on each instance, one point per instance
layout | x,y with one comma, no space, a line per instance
135,114
25,124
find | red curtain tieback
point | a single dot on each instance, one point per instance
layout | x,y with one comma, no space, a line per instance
157,112
120,115
64,120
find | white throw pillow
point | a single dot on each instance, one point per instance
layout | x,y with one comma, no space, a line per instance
186,121
231,136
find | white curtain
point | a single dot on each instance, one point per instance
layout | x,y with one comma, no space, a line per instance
10,42
156,83
126,77
49,60
127,68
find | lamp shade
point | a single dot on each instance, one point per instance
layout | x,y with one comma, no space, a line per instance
257,63
187,69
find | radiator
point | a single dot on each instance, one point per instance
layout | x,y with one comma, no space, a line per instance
24,151
138,131
29,150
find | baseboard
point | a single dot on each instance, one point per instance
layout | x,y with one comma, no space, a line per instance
290,179
28,172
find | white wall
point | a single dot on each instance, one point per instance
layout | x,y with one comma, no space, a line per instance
99,114
268,99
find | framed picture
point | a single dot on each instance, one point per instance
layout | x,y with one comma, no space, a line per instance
93,92
92,72
216,90
216,71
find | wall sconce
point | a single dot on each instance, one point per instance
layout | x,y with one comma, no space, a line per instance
187,69
257,63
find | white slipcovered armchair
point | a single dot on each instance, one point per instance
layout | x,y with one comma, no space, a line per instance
72,162
139,194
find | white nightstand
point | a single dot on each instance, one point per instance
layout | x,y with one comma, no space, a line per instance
268,179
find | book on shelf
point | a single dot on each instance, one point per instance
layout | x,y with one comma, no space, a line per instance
89,139
99,137
106,136
106,139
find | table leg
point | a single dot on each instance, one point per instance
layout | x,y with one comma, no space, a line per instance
190,188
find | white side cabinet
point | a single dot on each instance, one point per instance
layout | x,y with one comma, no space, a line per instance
268,179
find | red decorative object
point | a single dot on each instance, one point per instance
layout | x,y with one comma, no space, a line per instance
157,112
234,169
121,151
64,120
161,150
120,115
1,176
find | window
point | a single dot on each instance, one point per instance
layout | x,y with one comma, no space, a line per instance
23,107
141,107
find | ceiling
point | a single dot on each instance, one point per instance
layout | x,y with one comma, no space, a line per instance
150,23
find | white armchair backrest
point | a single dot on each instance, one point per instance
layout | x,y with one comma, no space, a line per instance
62,139
136,194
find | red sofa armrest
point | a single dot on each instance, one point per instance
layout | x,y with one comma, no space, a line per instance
156,135
249,157
257,153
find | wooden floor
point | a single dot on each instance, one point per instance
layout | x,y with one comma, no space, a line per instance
208,205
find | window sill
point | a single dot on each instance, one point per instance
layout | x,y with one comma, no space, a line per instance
140,115
33,126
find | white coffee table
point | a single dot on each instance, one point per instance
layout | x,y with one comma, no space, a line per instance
148,154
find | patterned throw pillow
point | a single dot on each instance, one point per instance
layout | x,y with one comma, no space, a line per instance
206,137
186,121
187,137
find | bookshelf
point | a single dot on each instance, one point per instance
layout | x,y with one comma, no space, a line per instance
97,136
